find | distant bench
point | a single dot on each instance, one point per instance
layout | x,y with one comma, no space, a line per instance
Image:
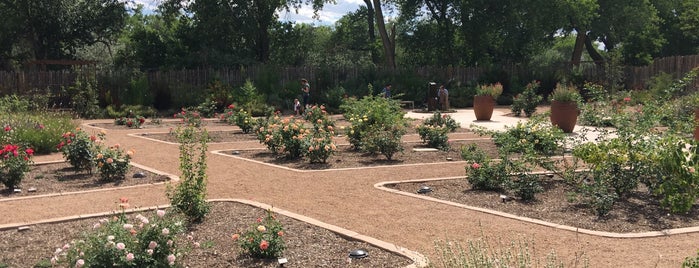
411,104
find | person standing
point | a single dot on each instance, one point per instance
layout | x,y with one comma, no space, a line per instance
306,89
297,107
443,95
386,92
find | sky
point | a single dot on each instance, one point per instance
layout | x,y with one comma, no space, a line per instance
328,16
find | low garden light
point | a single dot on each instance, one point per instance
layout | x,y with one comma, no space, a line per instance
424,190
358,254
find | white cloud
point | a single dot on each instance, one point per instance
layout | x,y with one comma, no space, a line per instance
327,16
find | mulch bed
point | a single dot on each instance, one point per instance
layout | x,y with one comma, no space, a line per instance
61,178
346,157
162,124
214,136
307,245
639,213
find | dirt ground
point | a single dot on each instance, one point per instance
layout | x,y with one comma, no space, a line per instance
348,198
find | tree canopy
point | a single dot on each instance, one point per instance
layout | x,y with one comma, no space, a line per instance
196,34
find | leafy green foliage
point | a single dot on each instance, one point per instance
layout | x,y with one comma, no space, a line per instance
127,241
527,100
264,239
190,117
38,130
374,114
678,164
434,130
521,149
80,149
84,97
189,196
113,162
14,164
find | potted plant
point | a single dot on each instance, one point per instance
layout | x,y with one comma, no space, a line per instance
564,107
484,100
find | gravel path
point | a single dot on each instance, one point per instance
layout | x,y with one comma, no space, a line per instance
348,199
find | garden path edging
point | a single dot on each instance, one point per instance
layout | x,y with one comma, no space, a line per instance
667,232
418,259
173,179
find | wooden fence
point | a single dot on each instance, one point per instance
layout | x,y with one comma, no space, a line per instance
635,77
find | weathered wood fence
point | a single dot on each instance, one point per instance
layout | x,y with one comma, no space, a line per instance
635,77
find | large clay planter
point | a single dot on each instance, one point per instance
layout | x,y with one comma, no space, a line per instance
564,115
483,107
696,124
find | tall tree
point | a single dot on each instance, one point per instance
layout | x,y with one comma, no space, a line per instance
371,30
388,39
236,27
54,29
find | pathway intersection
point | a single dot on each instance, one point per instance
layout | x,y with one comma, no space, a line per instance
348,199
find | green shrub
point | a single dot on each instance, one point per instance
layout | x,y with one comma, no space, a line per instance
14,164
372,113
189,197
318,117
521,149
264,239
40,131
126,241
482,172
527,101
113,162
14,104
189,116
536,136
434,136
244,120
80,149
678,163
84,98
387,142
319,145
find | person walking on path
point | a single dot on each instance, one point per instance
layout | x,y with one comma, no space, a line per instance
386,92
443,95
306,89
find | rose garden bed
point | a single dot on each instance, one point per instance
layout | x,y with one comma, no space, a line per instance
639,213
346,157
60,177
307,245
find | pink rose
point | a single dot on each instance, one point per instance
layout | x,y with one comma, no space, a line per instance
475,166
129,257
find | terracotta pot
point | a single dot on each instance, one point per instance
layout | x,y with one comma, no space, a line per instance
564,115
483,107
696,124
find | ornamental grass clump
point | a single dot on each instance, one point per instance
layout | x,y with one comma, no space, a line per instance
264,239
565,93
14,164
189,196
493,90
123,240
